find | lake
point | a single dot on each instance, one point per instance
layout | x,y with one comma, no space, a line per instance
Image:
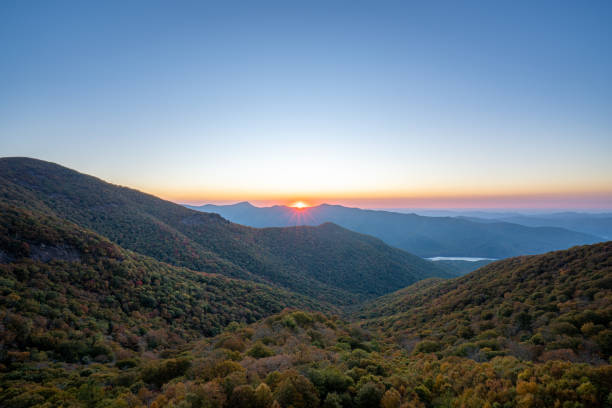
459,258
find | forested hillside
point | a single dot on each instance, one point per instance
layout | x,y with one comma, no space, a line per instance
85,322
302,360
72,295
88,324
327,262
543,307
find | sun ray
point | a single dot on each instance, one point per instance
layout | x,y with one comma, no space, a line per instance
299,205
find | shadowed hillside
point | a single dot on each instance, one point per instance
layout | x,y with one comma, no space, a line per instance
66,290
86,323
327,262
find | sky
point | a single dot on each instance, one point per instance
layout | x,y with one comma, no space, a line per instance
380,104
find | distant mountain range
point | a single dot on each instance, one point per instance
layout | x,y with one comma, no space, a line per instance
420,235
594,224
110,297
327,262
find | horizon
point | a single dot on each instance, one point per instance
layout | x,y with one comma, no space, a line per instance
412,203
432,210
500,106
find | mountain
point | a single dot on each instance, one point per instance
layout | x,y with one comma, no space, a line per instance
86,323
595,224
75,295
541,307
420,235
326,262
598,224
310,360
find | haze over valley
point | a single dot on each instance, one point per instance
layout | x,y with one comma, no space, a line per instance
424,236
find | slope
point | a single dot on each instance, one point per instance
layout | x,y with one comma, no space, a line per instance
595,224
552,306
73,294
327,262
302,360
420,235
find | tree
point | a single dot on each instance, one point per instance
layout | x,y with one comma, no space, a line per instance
295,390
391,399
243,396
260,351
369,395
263,396
332,400
210,395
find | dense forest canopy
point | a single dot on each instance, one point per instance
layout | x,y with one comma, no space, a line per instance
113,298
326,262
541,307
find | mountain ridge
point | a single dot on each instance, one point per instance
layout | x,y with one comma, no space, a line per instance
533,306
86,322
423,236
202,241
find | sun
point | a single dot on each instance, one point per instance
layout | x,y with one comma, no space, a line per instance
299,205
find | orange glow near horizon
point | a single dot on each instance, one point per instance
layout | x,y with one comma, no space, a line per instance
594,201
299,205
430,196
417,198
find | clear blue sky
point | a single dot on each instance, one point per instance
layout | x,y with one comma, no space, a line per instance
399,103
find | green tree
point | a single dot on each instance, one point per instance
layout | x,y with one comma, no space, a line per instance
332,400
263,396
260,351
391,399
369,395
295,390
243,396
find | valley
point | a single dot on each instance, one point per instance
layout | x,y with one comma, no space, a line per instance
305,204
112,297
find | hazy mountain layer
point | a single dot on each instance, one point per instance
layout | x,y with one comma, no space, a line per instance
326,262
595,224
423,236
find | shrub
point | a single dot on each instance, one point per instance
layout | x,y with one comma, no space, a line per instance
604,340
226,367
127,363
332,400
391,399
295,390
330,380
427,346
160,372
302,319
263,396
563,328
289,321
260,351
242,396
234,343
466,332
369,395
523,321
